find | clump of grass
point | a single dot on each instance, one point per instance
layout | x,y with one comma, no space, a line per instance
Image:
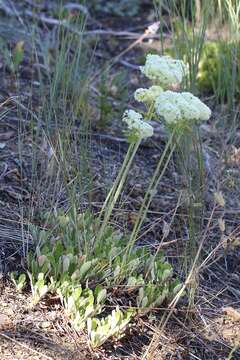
64,72
189,27
188,33
213,64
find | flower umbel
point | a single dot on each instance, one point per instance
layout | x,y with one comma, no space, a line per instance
164,70
178,108
137,127
148,96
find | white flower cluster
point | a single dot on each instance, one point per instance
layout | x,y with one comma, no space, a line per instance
148,96
181,107
164,70
136,125
178,109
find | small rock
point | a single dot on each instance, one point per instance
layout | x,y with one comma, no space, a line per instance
5,322
45,324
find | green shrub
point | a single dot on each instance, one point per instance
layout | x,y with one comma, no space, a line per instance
218,69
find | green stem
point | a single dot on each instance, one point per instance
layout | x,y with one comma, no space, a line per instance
116,182
117,187
157,176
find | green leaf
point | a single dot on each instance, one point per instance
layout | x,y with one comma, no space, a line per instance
19,282
22,279
89,310
58,251
84,269
65,263
177,288
116,271
144,302
167,274
101,296
140,295
75,275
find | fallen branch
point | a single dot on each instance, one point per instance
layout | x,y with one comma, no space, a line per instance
127,34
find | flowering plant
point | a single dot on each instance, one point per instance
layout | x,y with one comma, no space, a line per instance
148,96
138,128
178,108
164,70
82,251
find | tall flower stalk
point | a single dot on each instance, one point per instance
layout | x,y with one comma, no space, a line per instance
151,191
116,189
137,130
180,112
